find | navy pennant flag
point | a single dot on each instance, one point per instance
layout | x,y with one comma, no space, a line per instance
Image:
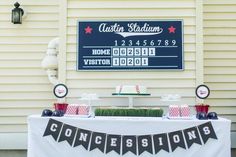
98,141
83,138
145,144
192,136
176,140
160,142
67,134
206,130
129,144
53,128
113,143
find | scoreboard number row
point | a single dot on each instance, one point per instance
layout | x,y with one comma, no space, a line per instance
130,62
134,51
145,43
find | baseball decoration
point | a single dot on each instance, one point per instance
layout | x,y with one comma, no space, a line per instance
202,91
60,90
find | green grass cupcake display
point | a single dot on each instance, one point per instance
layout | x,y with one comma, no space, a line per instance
131,112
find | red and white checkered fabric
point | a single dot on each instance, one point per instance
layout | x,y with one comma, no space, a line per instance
174,111
185,110
83,110
72,109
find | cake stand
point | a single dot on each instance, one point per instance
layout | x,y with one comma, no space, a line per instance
130,96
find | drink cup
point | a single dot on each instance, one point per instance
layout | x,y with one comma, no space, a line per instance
61,106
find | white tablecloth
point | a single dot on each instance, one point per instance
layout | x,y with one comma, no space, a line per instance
42,145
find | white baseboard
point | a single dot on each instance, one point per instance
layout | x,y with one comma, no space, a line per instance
18,141
13,141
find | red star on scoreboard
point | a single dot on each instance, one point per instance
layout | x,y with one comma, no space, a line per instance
171,29
88,30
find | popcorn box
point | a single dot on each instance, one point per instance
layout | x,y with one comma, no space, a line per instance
72,109
174,111
83,109
185,111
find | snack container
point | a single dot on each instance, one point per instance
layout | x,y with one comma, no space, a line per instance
83,109
174,111
72,109
185,110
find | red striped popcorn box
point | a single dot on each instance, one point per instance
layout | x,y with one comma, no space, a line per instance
72,109
174,111
83,109
185,111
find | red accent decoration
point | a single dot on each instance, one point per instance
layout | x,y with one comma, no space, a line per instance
171,29
61,106
202,108
88,30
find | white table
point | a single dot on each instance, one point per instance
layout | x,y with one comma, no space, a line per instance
123,127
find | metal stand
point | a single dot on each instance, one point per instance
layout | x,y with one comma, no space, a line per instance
131,101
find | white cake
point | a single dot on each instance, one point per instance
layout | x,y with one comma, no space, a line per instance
129,89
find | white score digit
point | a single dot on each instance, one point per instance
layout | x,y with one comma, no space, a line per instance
166,42
116,43
123,61
115,62
137,61
122,42
144,61
130,51
173,42
137,51
130,43
152,43
144,42
130,61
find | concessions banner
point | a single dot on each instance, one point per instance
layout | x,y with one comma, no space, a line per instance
136,144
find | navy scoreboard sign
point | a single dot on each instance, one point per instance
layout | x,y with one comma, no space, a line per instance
130,45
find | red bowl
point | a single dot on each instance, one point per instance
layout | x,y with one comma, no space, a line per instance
202,108
61,106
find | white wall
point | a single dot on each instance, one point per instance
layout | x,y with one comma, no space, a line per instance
220,56
157,82
24,87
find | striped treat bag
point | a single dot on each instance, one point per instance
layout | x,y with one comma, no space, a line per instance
174,111
72,109
83,109
185,111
